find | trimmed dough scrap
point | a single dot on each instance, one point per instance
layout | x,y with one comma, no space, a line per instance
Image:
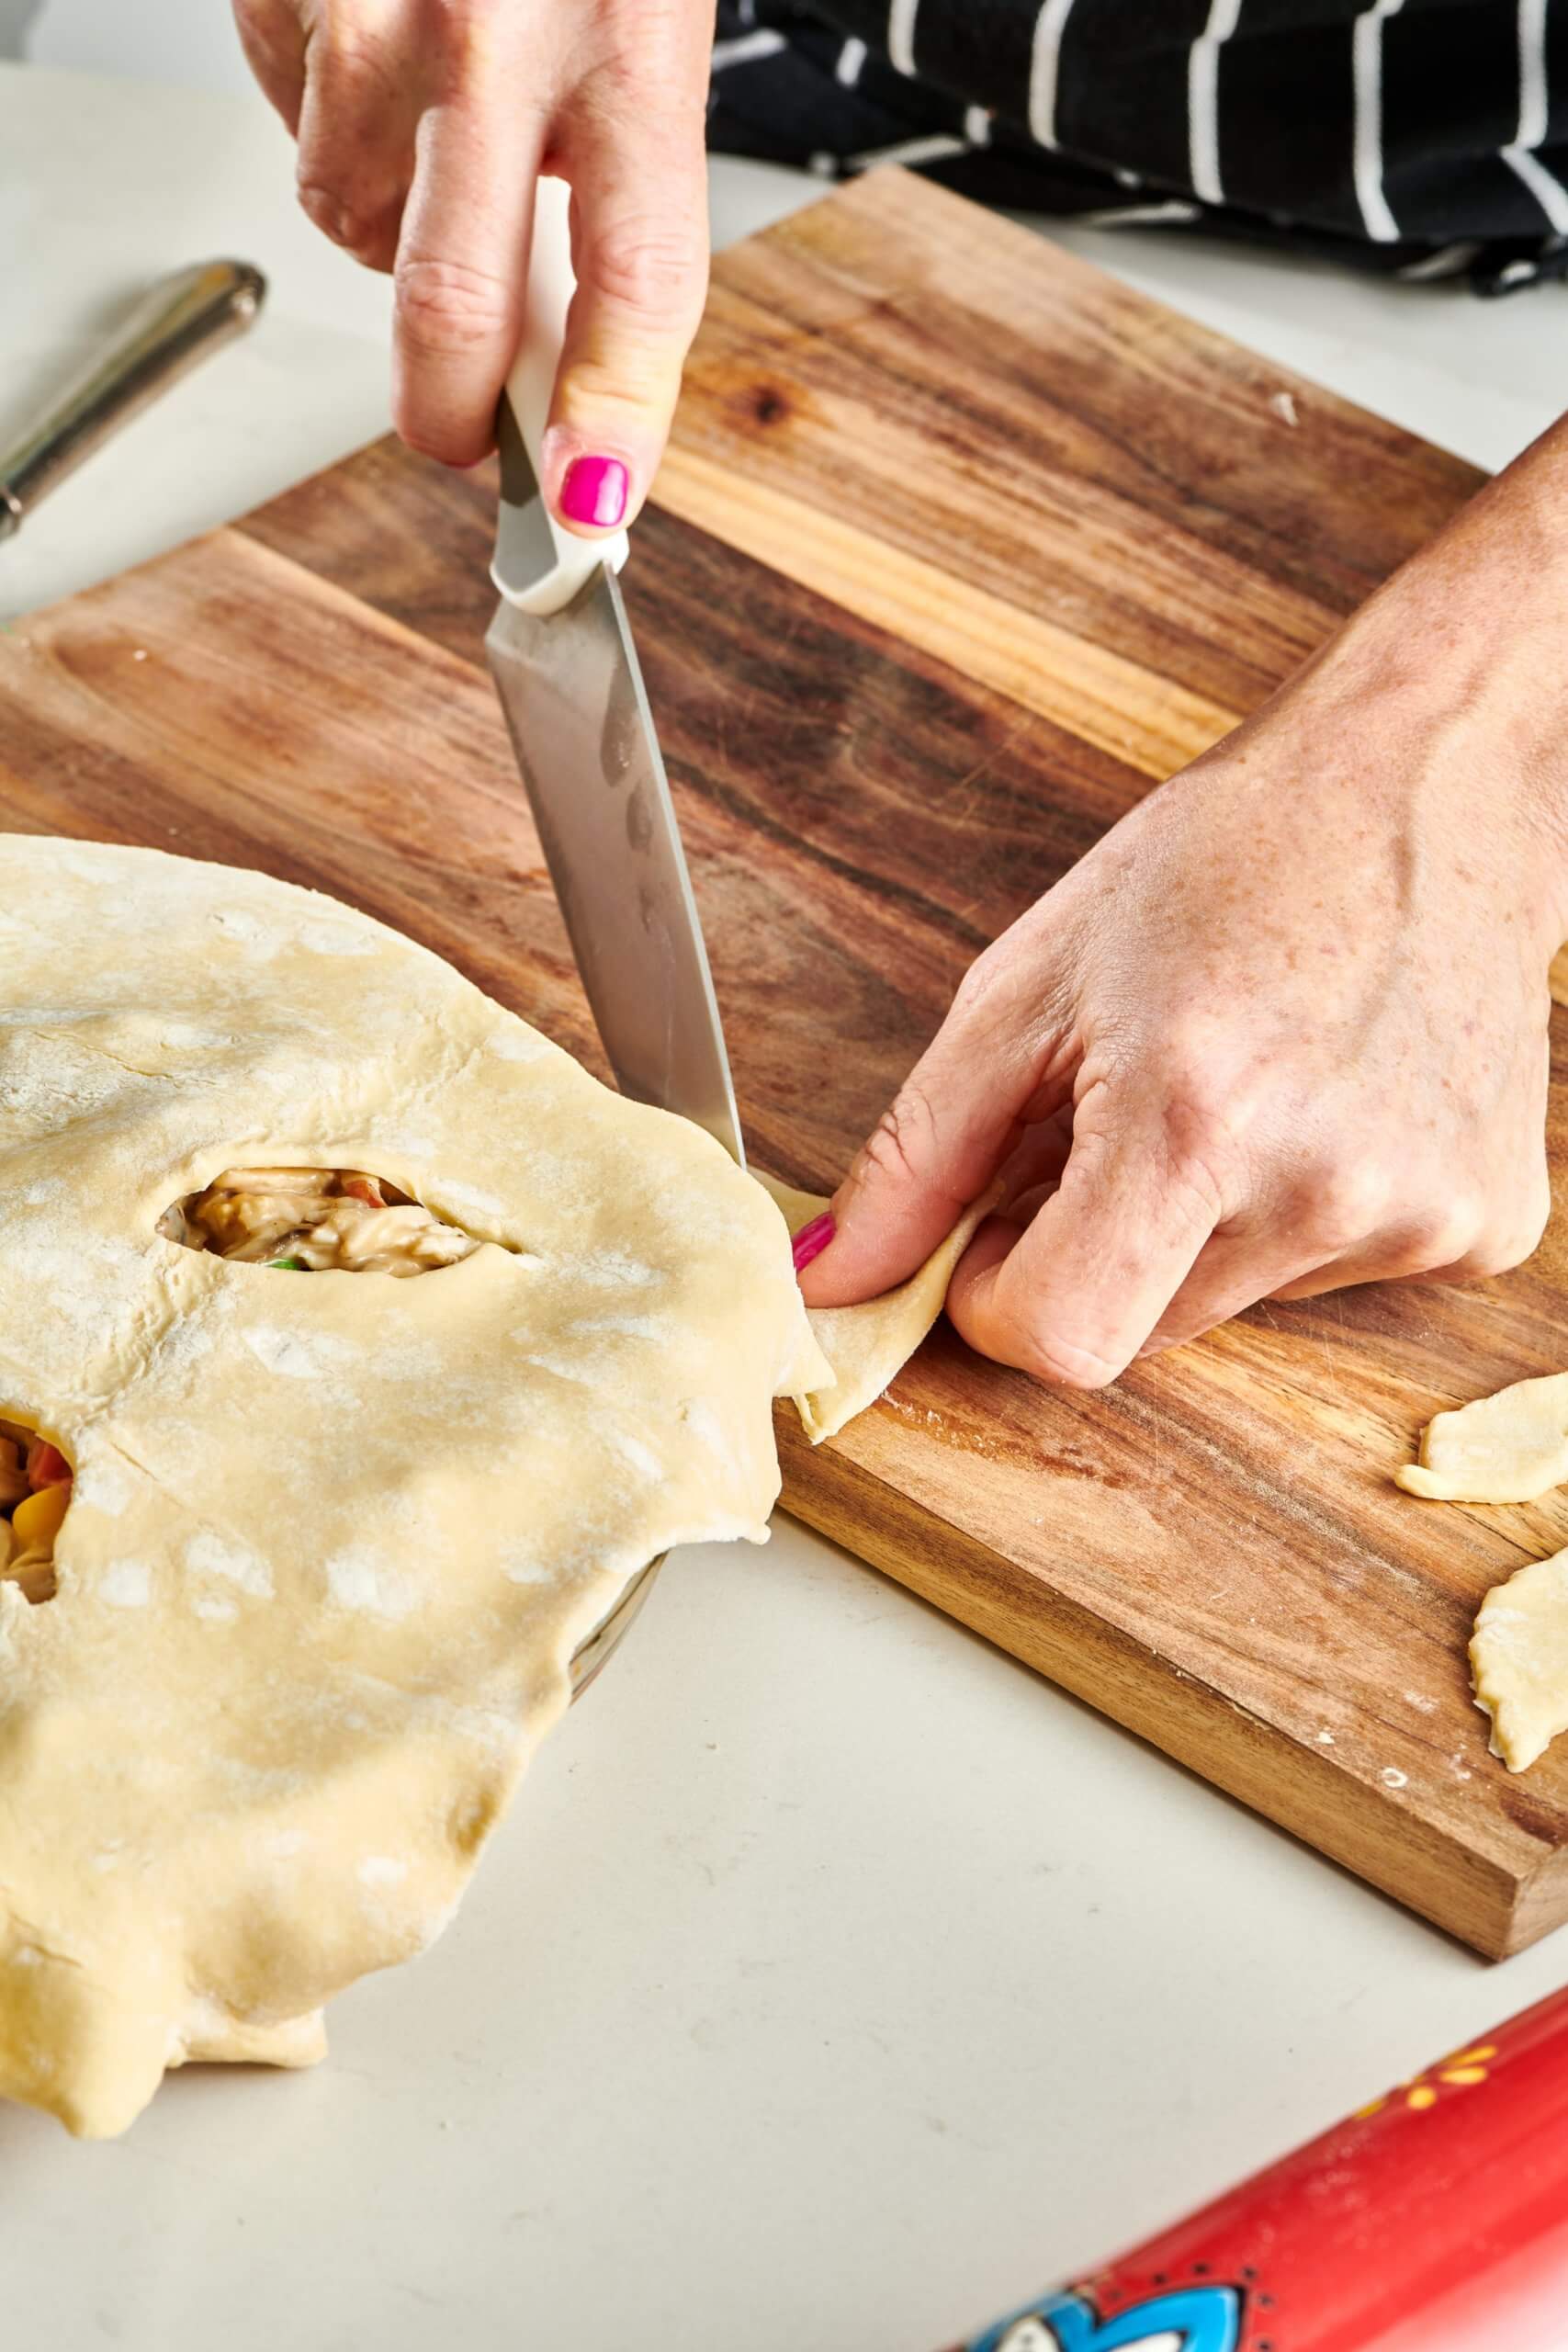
1519,1660
868,1345
1510,1448
332,1542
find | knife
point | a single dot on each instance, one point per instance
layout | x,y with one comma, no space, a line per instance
567,672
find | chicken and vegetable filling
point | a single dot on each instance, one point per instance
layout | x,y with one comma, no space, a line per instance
301,1220
315,1220
35,1490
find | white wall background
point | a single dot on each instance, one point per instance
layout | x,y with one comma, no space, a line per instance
189,41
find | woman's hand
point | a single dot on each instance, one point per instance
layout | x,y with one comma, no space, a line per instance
1285,1027
423,126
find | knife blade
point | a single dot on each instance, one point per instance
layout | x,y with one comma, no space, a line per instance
561,653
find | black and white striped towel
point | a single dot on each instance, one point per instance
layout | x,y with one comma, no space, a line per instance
1427,137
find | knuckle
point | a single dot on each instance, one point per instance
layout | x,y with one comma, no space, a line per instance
455,24
1488,1257
340,51
321,200
985,986
1199,1145
1202,1101
271,25
351,61
657,83
1451,1235
901,1144
358,228
449,442
1504,1243
1046,1356
622,390
650,272
1343,1203
450,308
1535,1214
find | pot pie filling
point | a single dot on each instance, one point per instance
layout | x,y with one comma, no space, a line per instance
35,1493
299,1220
315,1220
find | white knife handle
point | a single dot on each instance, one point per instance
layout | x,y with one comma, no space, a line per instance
530,389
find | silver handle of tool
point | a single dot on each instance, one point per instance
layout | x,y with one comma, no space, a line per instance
176,322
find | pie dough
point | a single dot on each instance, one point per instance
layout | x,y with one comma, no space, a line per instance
333,1541
331,1545
867,1345
1519,1660
1510,1448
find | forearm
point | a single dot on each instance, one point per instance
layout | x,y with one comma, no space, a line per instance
1466,648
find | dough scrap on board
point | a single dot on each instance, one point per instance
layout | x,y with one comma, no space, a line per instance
1519,1660
1508,1448
1511,1447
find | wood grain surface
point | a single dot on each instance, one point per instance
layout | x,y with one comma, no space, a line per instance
959,547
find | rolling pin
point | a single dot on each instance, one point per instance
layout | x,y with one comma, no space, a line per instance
1435,2219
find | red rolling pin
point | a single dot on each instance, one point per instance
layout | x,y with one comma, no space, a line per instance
1434,2221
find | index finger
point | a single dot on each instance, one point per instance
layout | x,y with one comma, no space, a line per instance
1073,1298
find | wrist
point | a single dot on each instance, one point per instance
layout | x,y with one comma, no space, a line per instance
1454,680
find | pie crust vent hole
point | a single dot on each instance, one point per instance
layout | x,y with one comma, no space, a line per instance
35,1495
314,1220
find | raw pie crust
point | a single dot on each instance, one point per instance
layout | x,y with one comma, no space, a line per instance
1510,1448
332,1542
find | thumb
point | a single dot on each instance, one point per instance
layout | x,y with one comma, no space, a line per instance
1075,1295
937,1148
640,240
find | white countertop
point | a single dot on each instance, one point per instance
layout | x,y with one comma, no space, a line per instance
835,1982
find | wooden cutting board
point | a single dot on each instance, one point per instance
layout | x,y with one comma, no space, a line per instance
961,545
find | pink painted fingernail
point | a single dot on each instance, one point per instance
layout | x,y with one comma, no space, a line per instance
813,1239
594,491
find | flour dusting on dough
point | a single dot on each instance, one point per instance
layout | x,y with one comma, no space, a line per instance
708,1430
235,923
297,1355
217,1555
632,1451
336,939
518,1044
470,1197
359,1578
382,1870
102,1486
128,1584
615,1269
521,1563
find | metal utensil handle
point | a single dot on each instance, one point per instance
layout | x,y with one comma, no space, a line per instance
176,322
